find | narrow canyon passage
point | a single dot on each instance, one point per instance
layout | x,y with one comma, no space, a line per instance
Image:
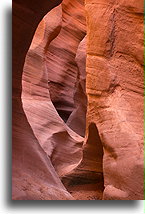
65,60
54,79
78,100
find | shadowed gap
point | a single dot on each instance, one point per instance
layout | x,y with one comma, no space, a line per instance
86,182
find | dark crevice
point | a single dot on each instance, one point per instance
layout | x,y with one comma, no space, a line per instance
86,182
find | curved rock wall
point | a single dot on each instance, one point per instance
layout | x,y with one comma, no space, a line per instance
51,161
52,133
115,92
33,176
77,119
60,57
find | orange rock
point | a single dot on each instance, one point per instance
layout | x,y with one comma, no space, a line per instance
115,92
51,161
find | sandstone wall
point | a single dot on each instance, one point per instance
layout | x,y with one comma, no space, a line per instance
33,176
60,57
60,143
114,85
51,161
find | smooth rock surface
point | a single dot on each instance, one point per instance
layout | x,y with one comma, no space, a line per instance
77,119
33,176
55,137
60,57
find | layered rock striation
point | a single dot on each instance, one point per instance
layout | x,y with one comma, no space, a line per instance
77,100
55,137
33,176
60,57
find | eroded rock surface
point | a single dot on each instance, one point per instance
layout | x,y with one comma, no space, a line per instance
55,137
77,119
115,92
34,177
51,161
60,57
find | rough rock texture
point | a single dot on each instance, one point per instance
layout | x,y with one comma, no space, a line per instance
115,92
34,177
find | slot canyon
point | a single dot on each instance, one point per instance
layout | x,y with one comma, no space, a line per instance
78,100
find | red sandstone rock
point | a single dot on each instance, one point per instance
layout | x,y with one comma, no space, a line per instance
45,149
60,57
34,177
115,92
52,133
77,119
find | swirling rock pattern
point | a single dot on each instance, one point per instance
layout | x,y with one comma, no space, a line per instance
33,176
55,137
60,57
51,161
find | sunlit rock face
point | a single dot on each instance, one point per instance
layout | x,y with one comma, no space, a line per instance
114,85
